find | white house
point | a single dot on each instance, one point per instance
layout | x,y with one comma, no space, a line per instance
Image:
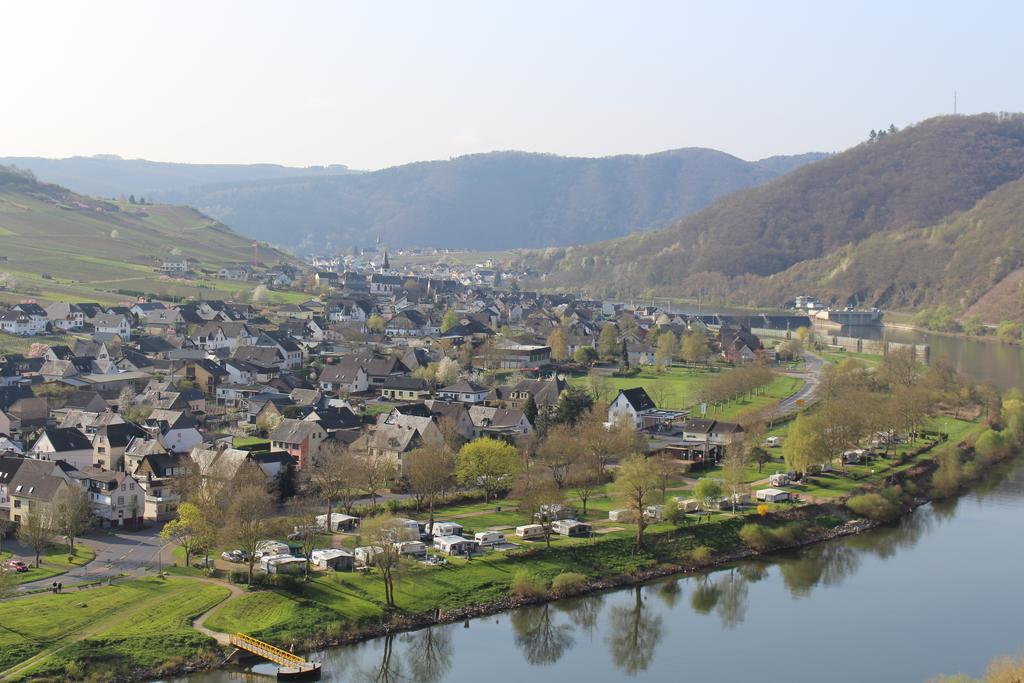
63,443
631,404
117,498
113,323
464,391
174,267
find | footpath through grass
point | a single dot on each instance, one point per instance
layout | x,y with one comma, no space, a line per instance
105,631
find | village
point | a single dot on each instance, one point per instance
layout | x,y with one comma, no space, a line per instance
395,419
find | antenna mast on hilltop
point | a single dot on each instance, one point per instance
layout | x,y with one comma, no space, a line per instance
954,103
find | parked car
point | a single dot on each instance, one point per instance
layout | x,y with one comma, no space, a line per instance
233,556
18,566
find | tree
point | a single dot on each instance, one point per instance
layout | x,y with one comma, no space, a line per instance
450,320
191,531
573,403
664,350
636,481
6,526
694,346
536,494
373,473
260,294
760,456
447,371
248,521
36,533
333,477
708,492
556,452
598,385
71,514
734,467
624,356
586,476
530,410
559,344
608,342
585,355
805,444
303,514
666,468
375,324
384,532
489,464
431,471
974,326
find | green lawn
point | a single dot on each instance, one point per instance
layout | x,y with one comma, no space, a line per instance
54,562
248,441
677,389
143,622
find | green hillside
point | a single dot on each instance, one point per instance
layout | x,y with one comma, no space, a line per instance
58,245
912,219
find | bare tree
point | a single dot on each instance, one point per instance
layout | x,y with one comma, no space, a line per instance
636,481
586,476
71,514
248,521
537,494
303,514
666,469
556,452
734,467
385,532
431,472
334,478
374,472
36,533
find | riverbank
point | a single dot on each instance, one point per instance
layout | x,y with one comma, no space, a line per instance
667,554
341,608
992,338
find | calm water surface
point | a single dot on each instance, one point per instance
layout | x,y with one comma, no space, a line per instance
937,594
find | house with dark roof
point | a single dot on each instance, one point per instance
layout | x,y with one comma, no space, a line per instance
34,486
464,391
404,389
110,441
348,376
631,404
63,443
301,439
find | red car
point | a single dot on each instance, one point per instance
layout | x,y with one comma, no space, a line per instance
18,566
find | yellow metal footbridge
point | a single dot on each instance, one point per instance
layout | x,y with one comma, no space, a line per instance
291,665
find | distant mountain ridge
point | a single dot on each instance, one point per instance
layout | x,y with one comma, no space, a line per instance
498,200
926,216
108,175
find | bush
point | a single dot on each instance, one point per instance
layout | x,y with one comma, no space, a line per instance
757,537
874,506
762,510
992,446
701,554
526,584
569,583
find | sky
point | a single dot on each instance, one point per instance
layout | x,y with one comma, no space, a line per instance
379,83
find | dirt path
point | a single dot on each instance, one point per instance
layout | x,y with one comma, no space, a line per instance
198,622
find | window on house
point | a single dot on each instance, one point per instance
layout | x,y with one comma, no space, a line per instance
120,500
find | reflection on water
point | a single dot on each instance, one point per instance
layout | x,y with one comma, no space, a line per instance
917,583
633,634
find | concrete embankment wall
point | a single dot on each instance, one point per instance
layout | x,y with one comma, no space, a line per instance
876,347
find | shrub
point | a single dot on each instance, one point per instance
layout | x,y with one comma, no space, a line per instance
569,583
874,506
701,554
992,446
526,584
757,537
762,510
948,477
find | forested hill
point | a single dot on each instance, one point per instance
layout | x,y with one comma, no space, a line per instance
111,176
904,191
489,201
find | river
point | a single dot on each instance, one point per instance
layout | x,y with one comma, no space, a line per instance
1001,365
936,593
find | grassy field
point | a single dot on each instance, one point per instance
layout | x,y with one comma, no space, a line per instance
144,622
54,562
677,389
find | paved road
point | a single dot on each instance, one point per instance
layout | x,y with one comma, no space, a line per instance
117,552
812,374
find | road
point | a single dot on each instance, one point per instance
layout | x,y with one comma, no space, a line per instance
812,375
117,552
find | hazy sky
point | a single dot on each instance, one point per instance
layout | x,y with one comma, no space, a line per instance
379,83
